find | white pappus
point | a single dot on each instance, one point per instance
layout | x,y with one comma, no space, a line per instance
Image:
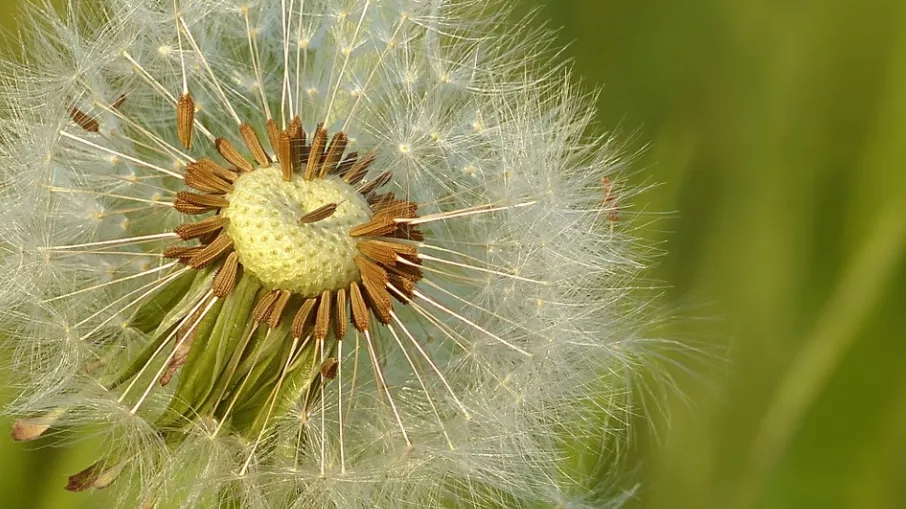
315,253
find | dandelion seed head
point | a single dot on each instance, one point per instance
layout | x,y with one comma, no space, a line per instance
312,253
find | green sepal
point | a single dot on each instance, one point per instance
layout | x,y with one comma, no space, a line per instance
303,377
262,368
215,340
201,284
240,335
191,374
151,313
258,412
187,290
265,348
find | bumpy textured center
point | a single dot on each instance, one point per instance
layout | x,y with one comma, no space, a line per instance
273,246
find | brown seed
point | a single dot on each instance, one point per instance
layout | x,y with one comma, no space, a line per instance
212,252
374,279
277,311
294,129
193,230
358,170
407,271
84,120
31,428
610,200
378,300
300,152
377,227
185,119
285,155
386,252
183,253
380,252
316,152
380,181
217,169
118,102
202,178
379,200
227,276
273,135
340,323
262,309
407,232
397,209
329,368
212,200
189,208
334,153
370,270
347,163
229,152
322,319
179,358
186,201
301,320
86,478
250,137
320,213
404,286
360,318
297,143
206,183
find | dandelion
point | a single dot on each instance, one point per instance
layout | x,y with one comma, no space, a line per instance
311,253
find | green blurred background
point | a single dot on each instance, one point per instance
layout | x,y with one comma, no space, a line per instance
777,133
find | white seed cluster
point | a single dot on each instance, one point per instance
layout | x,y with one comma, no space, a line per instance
519,345
305,258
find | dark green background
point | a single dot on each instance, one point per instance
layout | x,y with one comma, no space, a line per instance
776,131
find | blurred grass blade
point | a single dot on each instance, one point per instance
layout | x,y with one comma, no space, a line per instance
855,296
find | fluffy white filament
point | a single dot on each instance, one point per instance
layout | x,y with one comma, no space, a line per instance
516,354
